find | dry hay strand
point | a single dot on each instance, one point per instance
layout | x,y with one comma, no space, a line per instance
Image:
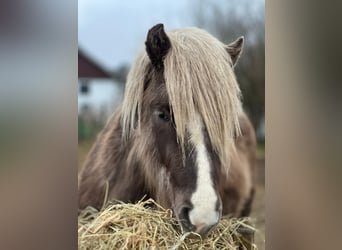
147,225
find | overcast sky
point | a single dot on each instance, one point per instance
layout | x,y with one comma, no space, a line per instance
113,31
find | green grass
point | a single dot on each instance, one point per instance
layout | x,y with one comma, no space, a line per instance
261,150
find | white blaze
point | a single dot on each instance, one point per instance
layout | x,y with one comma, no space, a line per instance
204,199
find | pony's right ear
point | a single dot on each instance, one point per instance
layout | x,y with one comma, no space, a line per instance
157,45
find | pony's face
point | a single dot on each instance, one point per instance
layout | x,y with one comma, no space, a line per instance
189,187
188,180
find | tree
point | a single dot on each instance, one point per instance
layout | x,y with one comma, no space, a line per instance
120,73
229,21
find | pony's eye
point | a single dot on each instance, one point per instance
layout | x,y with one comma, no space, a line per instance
163,116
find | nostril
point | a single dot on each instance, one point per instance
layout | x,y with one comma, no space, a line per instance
185,212
185,219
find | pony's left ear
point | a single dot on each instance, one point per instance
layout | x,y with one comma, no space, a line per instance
234,49
157,45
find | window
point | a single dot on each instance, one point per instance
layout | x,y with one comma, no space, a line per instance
84,88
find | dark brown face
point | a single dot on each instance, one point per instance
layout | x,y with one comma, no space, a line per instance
190,189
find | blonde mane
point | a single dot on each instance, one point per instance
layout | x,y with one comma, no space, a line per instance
199,79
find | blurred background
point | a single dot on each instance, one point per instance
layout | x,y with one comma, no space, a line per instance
38,107
111,33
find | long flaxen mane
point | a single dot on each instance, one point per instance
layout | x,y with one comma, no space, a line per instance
199,78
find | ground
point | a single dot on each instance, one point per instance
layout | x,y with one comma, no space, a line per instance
258,210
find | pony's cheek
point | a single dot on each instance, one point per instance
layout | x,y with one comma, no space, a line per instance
167,155
162,158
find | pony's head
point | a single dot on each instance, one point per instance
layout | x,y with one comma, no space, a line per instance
180,114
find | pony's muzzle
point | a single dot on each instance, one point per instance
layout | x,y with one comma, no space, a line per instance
200,228
203,229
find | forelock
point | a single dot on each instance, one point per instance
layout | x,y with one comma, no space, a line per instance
198,78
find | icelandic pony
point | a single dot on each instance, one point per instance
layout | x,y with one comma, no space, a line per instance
180,136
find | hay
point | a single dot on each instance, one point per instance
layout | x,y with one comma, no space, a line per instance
146,225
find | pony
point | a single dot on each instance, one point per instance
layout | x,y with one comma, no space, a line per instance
180,136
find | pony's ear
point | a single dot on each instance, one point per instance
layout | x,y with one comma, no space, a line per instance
157,45
234,49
